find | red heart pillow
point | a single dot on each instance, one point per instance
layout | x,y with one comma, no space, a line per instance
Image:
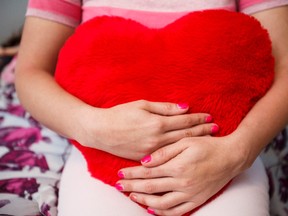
219,62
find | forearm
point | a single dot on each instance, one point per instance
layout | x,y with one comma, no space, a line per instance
49,103
264,121
35,84
270,114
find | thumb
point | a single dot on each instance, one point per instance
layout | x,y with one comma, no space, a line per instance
166,108
162,155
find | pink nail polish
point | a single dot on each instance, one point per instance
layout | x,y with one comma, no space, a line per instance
209,119
121,174
119,187
182,105
150,211
146,159
214,129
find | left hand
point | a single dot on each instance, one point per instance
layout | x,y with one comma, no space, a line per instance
187,172
1,51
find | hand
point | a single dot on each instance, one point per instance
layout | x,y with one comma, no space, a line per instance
135,129
8,51
188,172
1,51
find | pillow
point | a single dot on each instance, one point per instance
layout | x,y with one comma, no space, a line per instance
219,62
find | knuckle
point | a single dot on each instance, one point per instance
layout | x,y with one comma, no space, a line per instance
153,141
127,186
198,118
158,125
147,173
185,183
149,187
142,103
190,120
189,133
179,169
142,200
203,130
168,107
124,174
194,119
161,153
200,130
163,204
129,174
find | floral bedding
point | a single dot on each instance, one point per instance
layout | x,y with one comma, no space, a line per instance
275,158
32,158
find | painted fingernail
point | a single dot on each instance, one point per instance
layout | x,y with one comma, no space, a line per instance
150,211
121,174
209,119
214,129
182,105
119,187
146,159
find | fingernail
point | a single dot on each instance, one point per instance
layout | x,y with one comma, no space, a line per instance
150,211
209,119
121,174
182,105
133,197
146,159
119,187
214,129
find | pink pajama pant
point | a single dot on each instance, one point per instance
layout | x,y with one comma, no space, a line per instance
80,194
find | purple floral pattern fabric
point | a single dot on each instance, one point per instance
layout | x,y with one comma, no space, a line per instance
32,158
275,158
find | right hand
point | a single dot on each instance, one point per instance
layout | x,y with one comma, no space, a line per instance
135,129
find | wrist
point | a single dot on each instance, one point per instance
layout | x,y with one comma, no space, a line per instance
245,150
88,129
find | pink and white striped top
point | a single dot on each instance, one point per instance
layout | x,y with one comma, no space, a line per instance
152,13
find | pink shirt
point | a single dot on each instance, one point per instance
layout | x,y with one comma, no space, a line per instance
153,13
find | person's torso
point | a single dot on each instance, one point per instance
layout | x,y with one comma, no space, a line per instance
152,13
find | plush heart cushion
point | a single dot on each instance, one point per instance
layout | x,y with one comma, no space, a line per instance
219,62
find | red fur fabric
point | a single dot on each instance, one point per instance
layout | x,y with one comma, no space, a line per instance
219,62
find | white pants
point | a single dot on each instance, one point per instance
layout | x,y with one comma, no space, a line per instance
80,194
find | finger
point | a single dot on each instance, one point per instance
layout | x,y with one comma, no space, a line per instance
172,123
163,154
159,202
180,209
199,130
164,108
147,186
141,172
